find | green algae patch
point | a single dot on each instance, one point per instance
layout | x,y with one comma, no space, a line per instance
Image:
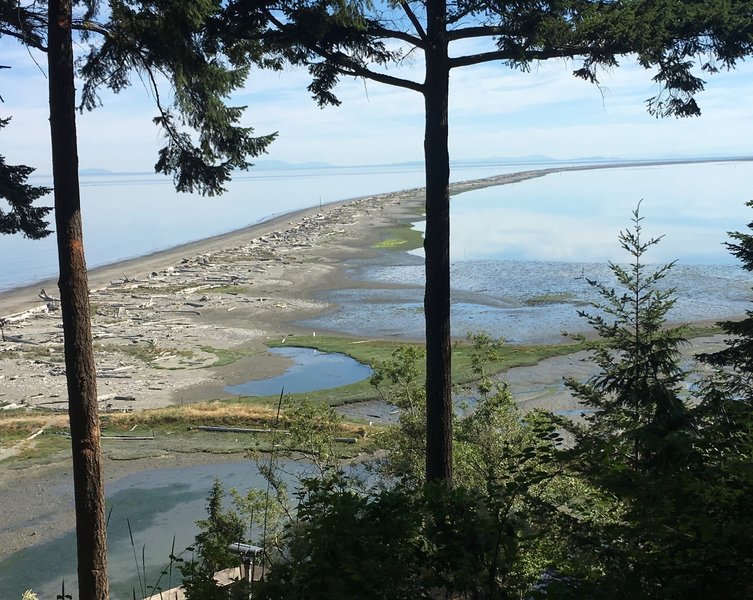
403,237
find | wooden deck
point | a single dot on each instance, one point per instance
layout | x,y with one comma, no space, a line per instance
223,578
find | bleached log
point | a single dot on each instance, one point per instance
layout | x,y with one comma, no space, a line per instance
46,297
22,316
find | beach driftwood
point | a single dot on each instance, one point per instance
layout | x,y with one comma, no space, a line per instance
121,438
47,298
18,339
220,429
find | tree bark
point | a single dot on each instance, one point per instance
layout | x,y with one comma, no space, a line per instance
74,299
437,249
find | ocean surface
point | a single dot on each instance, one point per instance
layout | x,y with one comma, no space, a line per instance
521,253
131,215
522,256
149,514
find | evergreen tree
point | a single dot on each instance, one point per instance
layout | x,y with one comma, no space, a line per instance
221,528
636,393
179,41
22,216
368,39
676,474
738,355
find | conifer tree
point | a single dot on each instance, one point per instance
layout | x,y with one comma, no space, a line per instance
371,40
179,41
636,392
22,216
738,355
673,465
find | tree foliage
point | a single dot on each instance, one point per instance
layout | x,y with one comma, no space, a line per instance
675,474
648,499
22,216
165,44
738,355
377,40
637,391
221,528
156,40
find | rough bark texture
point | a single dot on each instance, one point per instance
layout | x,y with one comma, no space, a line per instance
74,299
437,249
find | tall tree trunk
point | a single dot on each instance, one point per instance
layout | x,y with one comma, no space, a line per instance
74,298
437,249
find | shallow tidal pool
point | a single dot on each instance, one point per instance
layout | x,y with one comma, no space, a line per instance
311,370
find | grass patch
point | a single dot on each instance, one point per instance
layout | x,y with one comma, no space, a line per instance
50,447
390,244
402,237
546,299
227,356
52,353
178,418
145,352
375,352
45,448
172,428
695,331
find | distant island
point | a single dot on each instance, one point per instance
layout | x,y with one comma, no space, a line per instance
532,159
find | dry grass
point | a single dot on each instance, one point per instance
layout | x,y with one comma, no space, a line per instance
13,421
205,413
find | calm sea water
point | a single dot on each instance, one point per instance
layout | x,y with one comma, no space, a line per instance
127,216
514,247
161,506
311,370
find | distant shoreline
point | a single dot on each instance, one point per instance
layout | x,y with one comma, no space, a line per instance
11,299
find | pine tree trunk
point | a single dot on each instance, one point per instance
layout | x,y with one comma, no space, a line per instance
74,299
437,250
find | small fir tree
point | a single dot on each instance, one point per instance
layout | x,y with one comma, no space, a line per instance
636,394
22,216
738,355
677,481
220,529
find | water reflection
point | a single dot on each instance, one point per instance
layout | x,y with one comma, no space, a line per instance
522,252
311,370
129,215
576,216
161,505
520,301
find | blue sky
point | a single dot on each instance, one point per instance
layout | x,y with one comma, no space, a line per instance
494,112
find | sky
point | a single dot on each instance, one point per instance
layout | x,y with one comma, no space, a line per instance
495,112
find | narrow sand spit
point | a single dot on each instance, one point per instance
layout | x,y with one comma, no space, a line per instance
158,321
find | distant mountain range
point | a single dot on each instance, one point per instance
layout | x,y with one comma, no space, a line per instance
531,159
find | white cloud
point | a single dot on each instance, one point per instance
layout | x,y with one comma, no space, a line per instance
494,111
